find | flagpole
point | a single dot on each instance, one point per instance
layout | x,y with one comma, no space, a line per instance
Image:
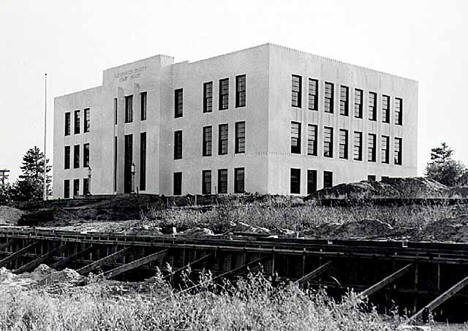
45,137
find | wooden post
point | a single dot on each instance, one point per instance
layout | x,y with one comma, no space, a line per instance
135,264
314,273
387,280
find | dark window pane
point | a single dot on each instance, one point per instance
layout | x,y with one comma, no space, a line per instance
222,181
143,105
296,91
239,174
177,145
313,94
224,94
77,122
295,185
328,142
240,91
177,189
329,97
344,100
223,139
240,137
129,109
178,103
311,181
327,179
206,182
207,141
295,137
143,161
208,97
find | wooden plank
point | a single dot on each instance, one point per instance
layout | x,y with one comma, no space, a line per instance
387,280
34,263
93,265
17,254
5,245
135,264
63,262
204,257
314,273
441,298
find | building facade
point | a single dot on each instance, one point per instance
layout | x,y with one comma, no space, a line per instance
267,119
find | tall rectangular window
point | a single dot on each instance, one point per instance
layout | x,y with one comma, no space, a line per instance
115,111
296,91
87,120
311,181
295,137
86,155
327,179
385,109
398,111
143,161
129,184
76,187
373,106
357,151
358,95
207,140
222,181
178,103
240,91
66,188
312,135
143,105
343,144
85,186
77,122
313,94
328,141
177,145
76,156
397,150
371,147
115,164
344,100
385,149
329,97
206,182
66,161
223,94
129,109
239,180
240,137
67,124
295,181
223,139
208,97
177,183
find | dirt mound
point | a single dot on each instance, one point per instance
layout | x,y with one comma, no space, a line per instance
449,229
63,276
10,215
244,227
366,228
197,232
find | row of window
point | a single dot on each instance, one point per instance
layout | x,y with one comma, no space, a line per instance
312,143
76,187
344,100
207,140
77,121
76,156
206,182
128,118
295,180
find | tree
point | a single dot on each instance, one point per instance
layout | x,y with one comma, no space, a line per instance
444,169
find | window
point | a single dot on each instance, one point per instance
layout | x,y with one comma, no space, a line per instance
85,186
178,103
296,91
77,122
143,161
358,103
397,150
222,181
240,137
115,111
327,179
67,158
87,120
129,109
115,164
311,181
357,153
177,183
208,97
398,111
344,100
385,149
223,139
313,94
385,109
206,182
329,100
295,137
224,94
371,178
76,187
177,145
239,174
66,188
343,144
371,147
67,124
295,185
207,140
240,91
312,139
76,156
143,102
86,155
373,106
328,142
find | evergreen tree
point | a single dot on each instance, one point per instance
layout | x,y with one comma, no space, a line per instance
444,169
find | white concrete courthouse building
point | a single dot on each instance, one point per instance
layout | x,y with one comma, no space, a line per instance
267,119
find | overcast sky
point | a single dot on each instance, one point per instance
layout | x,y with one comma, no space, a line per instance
73,41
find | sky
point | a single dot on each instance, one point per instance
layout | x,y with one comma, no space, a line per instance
75,40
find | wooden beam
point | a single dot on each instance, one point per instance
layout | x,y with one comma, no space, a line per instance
204,257
314,273
93,265
441,298
5,245
34,263
387,280
17,254
135,264
63,262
